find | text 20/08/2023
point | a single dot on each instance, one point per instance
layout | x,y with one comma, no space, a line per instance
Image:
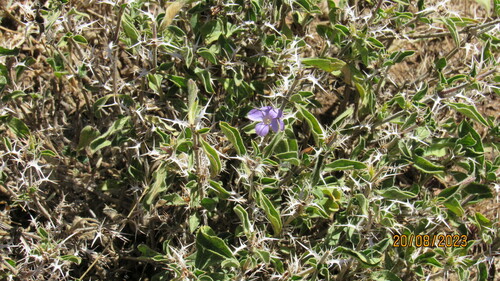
436,240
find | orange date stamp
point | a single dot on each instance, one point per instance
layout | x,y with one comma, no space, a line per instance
436,240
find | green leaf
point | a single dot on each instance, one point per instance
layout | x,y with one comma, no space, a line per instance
48,152
230,263
221,192
209,204
80,39
330,206
210,248
291,157
342,29
71,258
73,11
102,141
477,188
454,205
465,131
448,192
117,126
432,261
265,256
345,164
426,165
428,258
307,6
174,199
421,94
99,103
203,131
399,56
470,111
421,5
315,126
9,52
170,13
374,43
346,113
245,221
404,15
179,81
450,24
207,54
332,192
192,101
396,193
130,30
205,278
483,272
87,135
271,213
52,19
439,148
441,63
268,149
331,65
146,251
382,245
234,137
359,256
98,144
205,77
410,121
7,143
4,72
213,157
425,255
43,233
212,31
159,185
154,82
188,56
194,222
22,66
362,203
384,275
325,32
482,220
18,127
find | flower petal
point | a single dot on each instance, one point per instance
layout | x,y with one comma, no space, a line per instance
280,113
266,108
274,113
255,115
275,125
261,129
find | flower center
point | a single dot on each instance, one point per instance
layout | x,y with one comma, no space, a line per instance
267,120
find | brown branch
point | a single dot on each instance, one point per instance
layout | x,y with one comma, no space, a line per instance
450,92
441,34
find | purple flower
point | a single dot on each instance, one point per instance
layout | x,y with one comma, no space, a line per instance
269,117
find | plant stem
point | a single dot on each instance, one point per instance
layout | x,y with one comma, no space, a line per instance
374,13
114,52
196,149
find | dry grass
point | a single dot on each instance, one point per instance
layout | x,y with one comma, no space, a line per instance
69,212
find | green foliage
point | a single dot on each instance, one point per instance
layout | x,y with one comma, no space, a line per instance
211,249
126,140
234,137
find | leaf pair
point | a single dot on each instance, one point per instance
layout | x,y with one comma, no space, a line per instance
212,250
